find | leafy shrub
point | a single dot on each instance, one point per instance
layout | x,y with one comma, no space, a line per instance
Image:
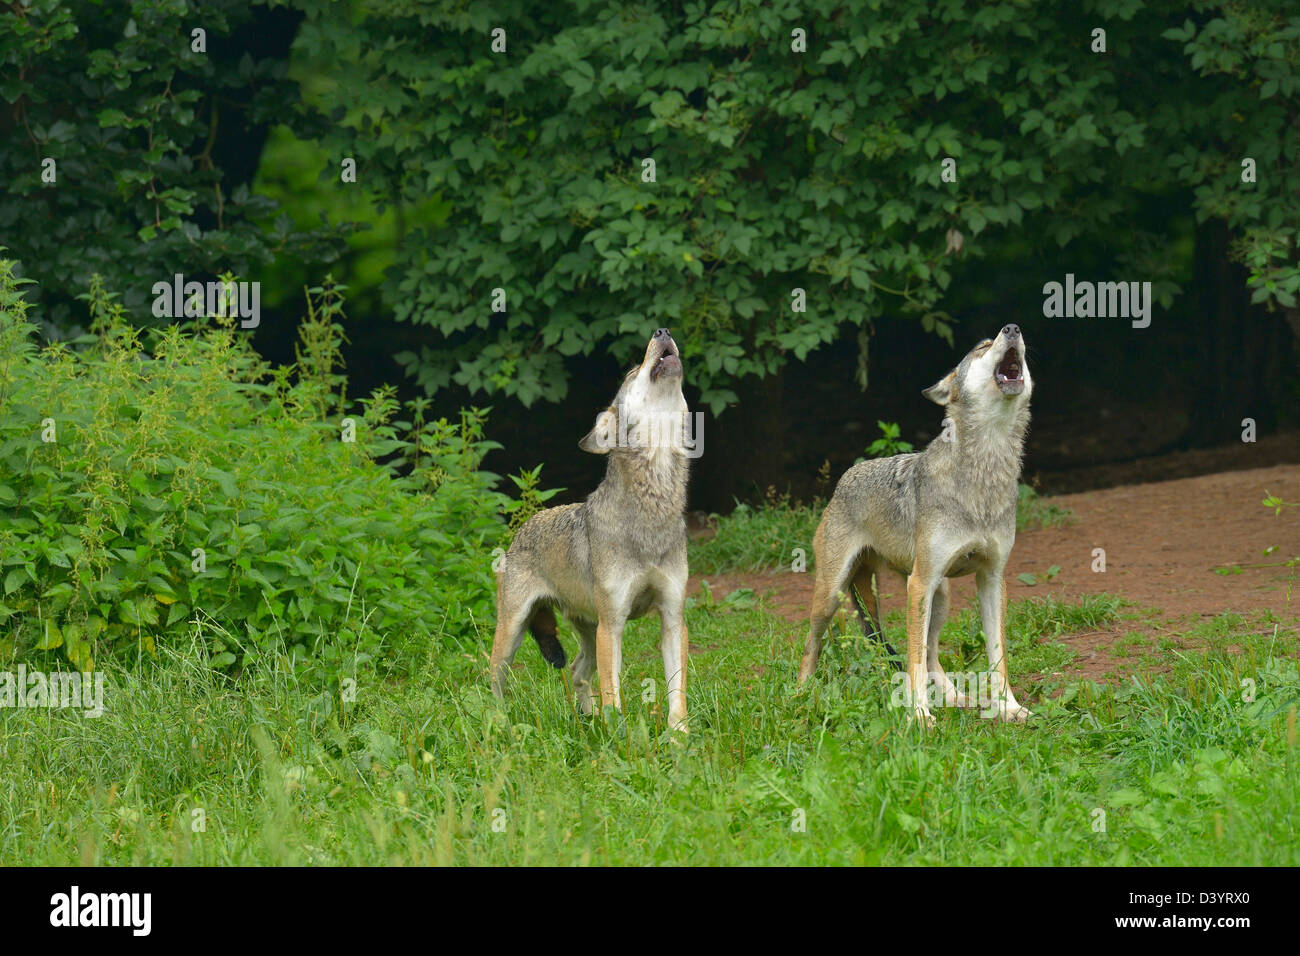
531,497
154,478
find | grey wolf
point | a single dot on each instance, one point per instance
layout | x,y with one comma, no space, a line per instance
944,512
615,556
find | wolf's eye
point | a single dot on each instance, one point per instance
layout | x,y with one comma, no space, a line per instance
984,346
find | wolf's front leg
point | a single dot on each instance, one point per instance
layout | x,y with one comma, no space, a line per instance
674,641
993,616
612,610
920,598
609,662
939,680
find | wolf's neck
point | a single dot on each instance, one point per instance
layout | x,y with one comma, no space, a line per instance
989,455
653,480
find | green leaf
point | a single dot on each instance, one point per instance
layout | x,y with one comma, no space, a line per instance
15,579
50,639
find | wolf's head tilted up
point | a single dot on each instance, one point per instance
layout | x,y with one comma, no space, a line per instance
994,375
987,395
648,414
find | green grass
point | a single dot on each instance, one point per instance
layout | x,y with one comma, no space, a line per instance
757,539
1185,770
1034,512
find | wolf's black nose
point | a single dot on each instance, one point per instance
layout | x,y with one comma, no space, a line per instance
661,333
1011,331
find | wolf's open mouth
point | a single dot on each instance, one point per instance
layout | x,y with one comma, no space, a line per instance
1010,374
668,361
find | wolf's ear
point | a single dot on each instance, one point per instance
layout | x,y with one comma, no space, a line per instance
941,391
603,434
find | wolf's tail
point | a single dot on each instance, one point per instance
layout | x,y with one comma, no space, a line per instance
542,626
872,630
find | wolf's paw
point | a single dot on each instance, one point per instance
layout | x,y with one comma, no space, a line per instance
1012,713
1020,714
922,716
678,733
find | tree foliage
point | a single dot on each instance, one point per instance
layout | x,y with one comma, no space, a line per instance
143,130
778,169
1249,57
796,146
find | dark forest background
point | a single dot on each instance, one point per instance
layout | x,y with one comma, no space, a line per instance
1115,157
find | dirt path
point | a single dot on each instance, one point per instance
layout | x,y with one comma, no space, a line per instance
1162,542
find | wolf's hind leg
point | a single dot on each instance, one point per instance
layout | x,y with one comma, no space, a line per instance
584,665
836,565
512,622
542,624
866,605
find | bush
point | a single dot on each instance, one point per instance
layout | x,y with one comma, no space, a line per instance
154,479
889,443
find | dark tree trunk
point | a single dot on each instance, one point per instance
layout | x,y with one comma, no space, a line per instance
744,448
237,150
1245,352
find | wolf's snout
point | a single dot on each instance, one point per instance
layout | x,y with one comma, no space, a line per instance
1009,373
668,360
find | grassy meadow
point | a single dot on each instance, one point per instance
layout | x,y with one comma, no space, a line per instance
189,766
289,597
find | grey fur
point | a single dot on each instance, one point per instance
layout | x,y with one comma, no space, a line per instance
620,553
947,511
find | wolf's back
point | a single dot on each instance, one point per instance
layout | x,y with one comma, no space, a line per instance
878,482
554,543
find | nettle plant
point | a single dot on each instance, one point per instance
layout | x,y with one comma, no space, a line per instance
154,481
890,441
